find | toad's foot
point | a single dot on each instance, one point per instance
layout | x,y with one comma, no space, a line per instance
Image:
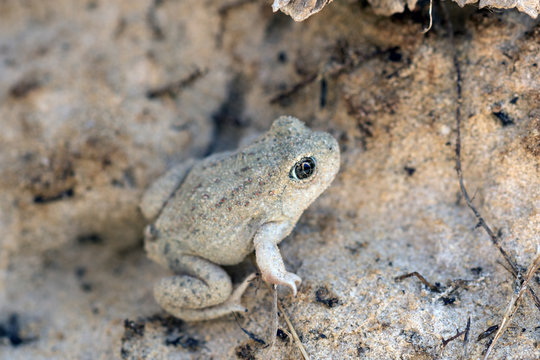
231,305
236,295
283,278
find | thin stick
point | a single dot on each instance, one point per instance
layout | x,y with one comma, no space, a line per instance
481,222
173,89
494,238
430,17
466,337
422,280
275,320
294,89
293,333
277,306
514,302
452,338
513,268
4,262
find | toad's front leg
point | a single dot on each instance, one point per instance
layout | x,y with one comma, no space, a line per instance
269,258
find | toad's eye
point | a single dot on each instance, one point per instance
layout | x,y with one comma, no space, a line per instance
303,169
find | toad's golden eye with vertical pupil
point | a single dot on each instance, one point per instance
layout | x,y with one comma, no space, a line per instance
303,169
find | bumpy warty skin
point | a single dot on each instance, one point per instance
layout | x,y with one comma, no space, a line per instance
227,197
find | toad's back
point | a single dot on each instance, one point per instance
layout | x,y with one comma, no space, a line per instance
221,204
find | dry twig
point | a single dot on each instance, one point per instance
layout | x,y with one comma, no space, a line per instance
275,323
512,267
293,333
466,338
275,320
422,279
174,88
430,17
452,338
514,302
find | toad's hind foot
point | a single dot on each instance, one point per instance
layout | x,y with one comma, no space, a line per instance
240,289
208,313
231,305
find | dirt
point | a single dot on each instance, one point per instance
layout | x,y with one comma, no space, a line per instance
98,98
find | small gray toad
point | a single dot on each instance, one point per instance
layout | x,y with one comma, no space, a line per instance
215,211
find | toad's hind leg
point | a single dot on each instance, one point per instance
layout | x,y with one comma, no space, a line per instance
202,290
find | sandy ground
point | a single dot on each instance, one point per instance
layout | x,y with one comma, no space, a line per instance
98,98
